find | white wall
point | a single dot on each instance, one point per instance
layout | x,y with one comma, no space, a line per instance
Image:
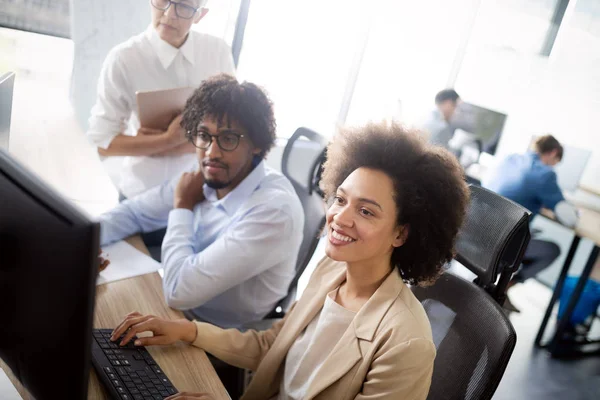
96,27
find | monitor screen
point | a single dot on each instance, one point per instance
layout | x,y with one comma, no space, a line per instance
7,82
48,269
480,124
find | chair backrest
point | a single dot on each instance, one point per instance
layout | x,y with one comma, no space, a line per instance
493,239
301,163
473,337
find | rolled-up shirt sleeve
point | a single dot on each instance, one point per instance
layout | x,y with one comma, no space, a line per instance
256,242
112,110
146,212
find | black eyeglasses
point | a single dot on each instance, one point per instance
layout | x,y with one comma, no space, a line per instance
182,10
227,141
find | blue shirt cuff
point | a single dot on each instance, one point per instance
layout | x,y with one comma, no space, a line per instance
181,216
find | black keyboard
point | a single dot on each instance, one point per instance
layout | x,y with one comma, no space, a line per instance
128,372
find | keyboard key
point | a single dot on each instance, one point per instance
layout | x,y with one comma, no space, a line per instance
117,351
121,390
150,362
104,346
138,397
141,386
125,362
145,393
171,390
116,363
120,356
130,385
137,381
129,370
125,397
134,390
157,370
126,378
111,357
109,351
112,376
138,356
157,397
109,370
164,393
157,382
116,383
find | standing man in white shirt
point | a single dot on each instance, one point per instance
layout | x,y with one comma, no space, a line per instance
234,226
167,55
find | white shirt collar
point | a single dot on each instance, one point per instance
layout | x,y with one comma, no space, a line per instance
167,53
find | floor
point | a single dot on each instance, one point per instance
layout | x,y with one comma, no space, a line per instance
46,139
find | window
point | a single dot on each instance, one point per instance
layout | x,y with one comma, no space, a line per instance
302,52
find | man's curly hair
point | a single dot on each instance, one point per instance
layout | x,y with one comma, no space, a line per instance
222,97
430,192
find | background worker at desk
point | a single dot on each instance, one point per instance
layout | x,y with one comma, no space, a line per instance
167,55
357,332
234,226
440,125
529,179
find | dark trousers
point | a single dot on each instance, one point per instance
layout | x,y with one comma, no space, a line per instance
538,256
152,240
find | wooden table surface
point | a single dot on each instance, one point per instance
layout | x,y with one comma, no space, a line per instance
588,225
186,366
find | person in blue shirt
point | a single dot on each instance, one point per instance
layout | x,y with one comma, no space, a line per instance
233,225
530,180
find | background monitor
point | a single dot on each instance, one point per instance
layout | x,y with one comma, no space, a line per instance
7,82
48,268
479,124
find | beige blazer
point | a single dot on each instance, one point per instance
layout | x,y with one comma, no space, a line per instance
386,353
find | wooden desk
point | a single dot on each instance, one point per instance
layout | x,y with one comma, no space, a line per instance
186,366
588,226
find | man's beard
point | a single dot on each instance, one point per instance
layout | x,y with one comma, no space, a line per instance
213,184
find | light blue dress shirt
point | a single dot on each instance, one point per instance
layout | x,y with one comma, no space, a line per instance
525,179
230,260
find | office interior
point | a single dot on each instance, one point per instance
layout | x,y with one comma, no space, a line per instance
525,68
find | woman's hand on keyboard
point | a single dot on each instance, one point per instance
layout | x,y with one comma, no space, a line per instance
164,331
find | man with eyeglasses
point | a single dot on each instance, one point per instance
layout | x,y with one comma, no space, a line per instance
167,55
234,225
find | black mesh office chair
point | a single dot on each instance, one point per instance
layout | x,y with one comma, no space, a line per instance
301,163
473,336
493,239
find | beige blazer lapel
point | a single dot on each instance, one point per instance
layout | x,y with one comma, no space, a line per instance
347,351
304,312
342,358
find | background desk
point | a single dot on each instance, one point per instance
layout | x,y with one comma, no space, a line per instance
186,366
587,227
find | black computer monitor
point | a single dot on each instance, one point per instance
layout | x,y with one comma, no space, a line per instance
485,125
48,268
7,82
